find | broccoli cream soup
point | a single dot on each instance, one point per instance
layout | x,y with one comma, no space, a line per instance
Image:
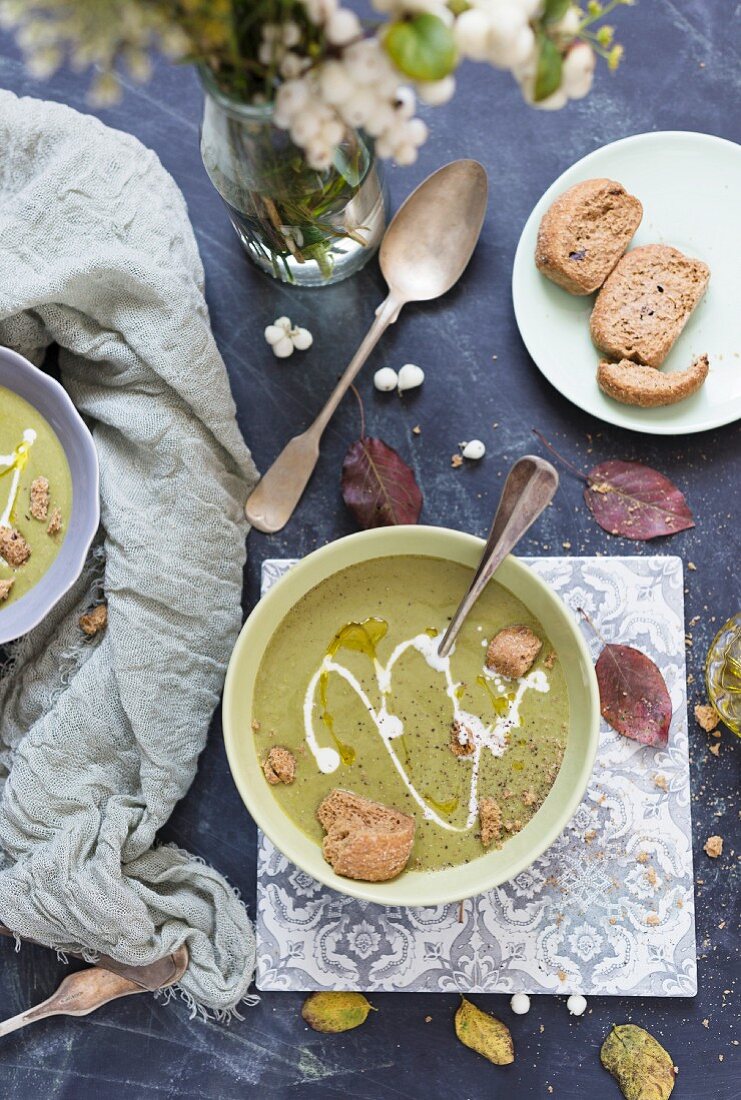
352,686
35,496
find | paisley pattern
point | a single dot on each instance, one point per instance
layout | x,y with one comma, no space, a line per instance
608,909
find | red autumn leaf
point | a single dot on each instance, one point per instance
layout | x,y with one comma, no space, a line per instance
636,501
377,485
633,695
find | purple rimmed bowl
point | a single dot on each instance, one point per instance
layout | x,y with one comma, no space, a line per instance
54,404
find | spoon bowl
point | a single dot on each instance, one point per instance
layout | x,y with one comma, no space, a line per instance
434,232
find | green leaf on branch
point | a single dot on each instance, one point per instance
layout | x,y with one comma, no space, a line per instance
548,72
555,10
421,47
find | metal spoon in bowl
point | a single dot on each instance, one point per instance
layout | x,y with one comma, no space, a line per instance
528,490
423,254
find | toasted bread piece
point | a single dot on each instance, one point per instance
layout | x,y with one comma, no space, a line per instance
279,766
584,233
512,651
365,840
462,742
646,302
55,522
5,587
39,498
490,819
95,620
13,546
633,384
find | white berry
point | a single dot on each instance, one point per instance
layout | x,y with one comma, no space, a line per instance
274,333
386,379
474,450
301,338
576,1004
410,376
284,347
520,1004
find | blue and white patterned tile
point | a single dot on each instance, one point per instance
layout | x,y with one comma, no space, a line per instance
588,916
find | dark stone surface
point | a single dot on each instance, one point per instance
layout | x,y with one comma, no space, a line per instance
681,73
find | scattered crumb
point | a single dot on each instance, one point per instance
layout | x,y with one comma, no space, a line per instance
530,797
713,846
55,522
715,749
456,461
642,857
92,622
651,877
691,565
706,717
279,766
13,546
490,817
590,835
661,782
5,587
256,727
562,975
416,430
653,919
706,1022
566,545
550,660
39,498
428,1019
612,920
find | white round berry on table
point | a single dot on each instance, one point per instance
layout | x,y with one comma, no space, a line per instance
474,450
283,348
385,379
410,376
275,333
283,337
520,1004
576,1004
301,339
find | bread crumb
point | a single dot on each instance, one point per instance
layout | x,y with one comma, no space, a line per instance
428,1019
642,857
490,818
5,587
590,835
661,782
550,660
92,622
279,766
512,651
256,726
39,498
456,461
530,797
706,717
715,749
691,565
651,877
416,430
713,846
55,522
562,975
462,742
653,919
13,546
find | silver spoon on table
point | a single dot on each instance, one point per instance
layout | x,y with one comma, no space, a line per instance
528,490
423,254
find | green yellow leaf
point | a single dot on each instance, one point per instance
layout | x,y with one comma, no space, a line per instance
422,47
639,1063
484,1034
548,72
555,10
333,1012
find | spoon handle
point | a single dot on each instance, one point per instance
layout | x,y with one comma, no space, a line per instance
528,490
272,503
78,995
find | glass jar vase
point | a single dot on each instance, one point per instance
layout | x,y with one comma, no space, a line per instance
723,673
300,225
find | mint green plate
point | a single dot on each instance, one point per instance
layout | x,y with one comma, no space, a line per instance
413,887
689,185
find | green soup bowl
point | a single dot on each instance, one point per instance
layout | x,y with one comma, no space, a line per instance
413,888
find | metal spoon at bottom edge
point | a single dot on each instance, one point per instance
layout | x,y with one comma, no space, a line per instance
528,490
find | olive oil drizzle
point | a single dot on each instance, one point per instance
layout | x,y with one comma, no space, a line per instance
15,463
360,638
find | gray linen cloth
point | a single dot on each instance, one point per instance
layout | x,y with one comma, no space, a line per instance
99,740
